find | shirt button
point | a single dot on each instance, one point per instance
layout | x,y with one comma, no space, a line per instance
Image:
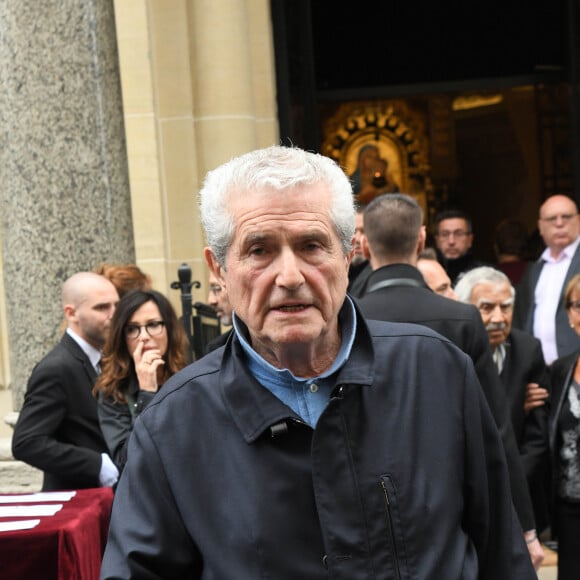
313,388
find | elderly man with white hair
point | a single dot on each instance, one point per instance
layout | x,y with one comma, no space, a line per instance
521,365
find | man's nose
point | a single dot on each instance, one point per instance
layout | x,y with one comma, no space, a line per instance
289,273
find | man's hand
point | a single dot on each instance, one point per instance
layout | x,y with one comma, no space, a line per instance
534,548
535,397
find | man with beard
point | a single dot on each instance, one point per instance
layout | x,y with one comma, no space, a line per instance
217,298
454,238
434,274
58,427
518,356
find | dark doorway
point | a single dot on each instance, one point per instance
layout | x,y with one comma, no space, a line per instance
507,150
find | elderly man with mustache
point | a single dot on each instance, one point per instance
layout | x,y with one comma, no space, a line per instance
518,356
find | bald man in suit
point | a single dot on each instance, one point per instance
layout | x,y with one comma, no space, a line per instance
58,428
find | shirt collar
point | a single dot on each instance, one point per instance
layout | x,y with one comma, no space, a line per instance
259,366
567,252
92,353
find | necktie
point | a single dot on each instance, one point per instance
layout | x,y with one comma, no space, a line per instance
498,358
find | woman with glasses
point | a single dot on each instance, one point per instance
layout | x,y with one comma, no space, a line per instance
565,445
145,346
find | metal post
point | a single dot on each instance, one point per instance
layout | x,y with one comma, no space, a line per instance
184,285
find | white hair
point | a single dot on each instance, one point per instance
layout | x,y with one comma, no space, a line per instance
273,170
470,279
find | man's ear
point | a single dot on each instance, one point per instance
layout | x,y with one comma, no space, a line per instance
365,247
69,311
421,239
214,266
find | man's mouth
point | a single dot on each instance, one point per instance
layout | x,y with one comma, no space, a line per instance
293,308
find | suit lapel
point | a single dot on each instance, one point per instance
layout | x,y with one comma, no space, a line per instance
574,268
77,352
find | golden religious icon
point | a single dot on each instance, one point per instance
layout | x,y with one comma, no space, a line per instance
372,175
382,146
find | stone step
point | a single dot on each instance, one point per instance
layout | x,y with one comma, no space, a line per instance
16,476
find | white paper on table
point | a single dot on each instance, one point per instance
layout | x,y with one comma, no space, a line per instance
40,497
19,525
16,511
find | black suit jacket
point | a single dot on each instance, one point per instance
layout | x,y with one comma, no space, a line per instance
566,339
523,364
462,324
58,427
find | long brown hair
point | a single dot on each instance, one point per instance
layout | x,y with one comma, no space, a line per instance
117,364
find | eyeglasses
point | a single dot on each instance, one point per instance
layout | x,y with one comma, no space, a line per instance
153,328
574,305
489,307
215,289
456,234
565,217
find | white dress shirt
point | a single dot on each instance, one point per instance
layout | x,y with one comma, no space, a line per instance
547,295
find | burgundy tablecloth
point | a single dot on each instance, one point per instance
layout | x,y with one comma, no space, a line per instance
66,546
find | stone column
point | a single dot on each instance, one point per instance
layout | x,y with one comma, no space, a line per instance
64,186
233,93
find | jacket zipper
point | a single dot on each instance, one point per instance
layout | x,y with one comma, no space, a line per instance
390,529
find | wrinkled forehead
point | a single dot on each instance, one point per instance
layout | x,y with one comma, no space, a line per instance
299,204
490,291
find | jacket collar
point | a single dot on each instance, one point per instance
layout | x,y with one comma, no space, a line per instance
254,409
396,271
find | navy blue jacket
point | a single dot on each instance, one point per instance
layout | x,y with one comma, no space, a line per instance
404,475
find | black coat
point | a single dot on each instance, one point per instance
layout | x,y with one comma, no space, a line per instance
58,427
462,324
561,377
523,364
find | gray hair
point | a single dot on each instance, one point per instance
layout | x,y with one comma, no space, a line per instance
274,170
471,278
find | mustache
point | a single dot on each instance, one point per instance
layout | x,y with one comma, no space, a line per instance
496,326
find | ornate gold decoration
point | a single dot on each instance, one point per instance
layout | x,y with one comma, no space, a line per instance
398,132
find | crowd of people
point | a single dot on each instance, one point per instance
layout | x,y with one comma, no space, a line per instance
378,408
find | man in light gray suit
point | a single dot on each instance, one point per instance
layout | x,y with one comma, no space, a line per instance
540,308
